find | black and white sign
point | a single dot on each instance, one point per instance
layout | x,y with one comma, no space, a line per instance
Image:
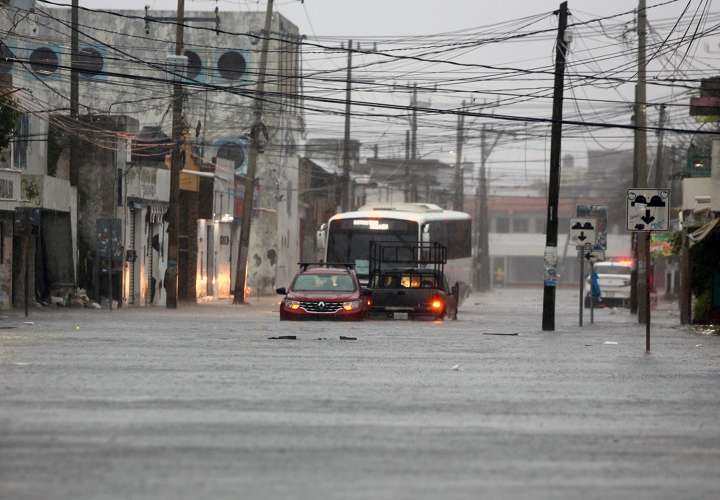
582,232
648,209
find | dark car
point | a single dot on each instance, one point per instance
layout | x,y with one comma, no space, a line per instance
324,292
413,293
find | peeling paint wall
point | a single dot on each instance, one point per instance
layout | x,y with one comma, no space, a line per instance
223,114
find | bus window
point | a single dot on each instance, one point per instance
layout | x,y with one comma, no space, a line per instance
459,239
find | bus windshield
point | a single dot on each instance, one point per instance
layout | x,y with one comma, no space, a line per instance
349,239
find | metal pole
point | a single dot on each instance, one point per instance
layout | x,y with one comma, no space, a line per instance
550,281
345,192
171,275
581,262
257,130
592,299
647,292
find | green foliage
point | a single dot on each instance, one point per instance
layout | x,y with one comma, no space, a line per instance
8,119
677,242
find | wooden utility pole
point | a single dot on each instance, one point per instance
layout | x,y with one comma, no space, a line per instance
413,125
171,275
550,260
482,268
258,129
345,189
74,90
407,167
643,242
659,174
634,235
459,198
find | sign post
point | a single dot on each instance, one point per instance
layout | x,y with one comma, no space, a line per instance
648,210
583,234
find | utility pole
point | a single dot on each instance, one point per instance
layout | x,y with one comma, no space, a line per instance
482,253
258,128
407,167
643,243
413,145
659,174
550,260
74,89
345,190
171,275
459,199
634,235
413,124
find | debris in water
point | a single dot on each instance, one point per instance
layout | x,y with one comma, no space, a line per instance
457,368
28,322
284,337
515,334
321,338
342,337
610,342
699,345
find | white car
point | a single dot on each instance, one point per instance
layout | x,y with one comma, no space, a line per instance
614,281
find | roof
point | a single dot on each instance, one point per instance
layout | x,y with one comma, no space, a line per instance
417,212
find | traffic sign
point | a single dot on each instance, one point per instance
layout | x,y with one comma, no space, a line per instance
600,214
582,232
595,254
648,209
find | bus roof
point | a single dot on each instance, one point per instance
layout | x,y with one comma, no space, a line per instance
416,212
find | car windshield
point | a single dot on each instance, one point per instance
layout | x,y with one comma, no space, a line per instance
324,283
612,270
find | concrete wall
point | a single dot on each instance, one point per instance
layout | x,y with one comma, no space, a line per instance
224,115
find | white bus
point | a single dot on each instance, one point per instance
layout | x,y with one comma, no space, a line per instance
347,236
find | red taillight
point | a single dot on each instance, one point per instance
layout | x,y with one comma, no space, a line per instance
437,305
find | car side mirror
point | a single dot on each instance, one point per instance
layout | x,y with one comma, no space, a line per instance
281,291
365,292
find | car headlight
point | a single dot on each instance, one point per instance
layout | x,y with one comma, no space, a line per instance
349,306
292,304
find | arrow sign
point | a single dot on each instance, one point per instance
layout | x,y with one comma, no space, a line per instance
647,218
648,209
582,232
